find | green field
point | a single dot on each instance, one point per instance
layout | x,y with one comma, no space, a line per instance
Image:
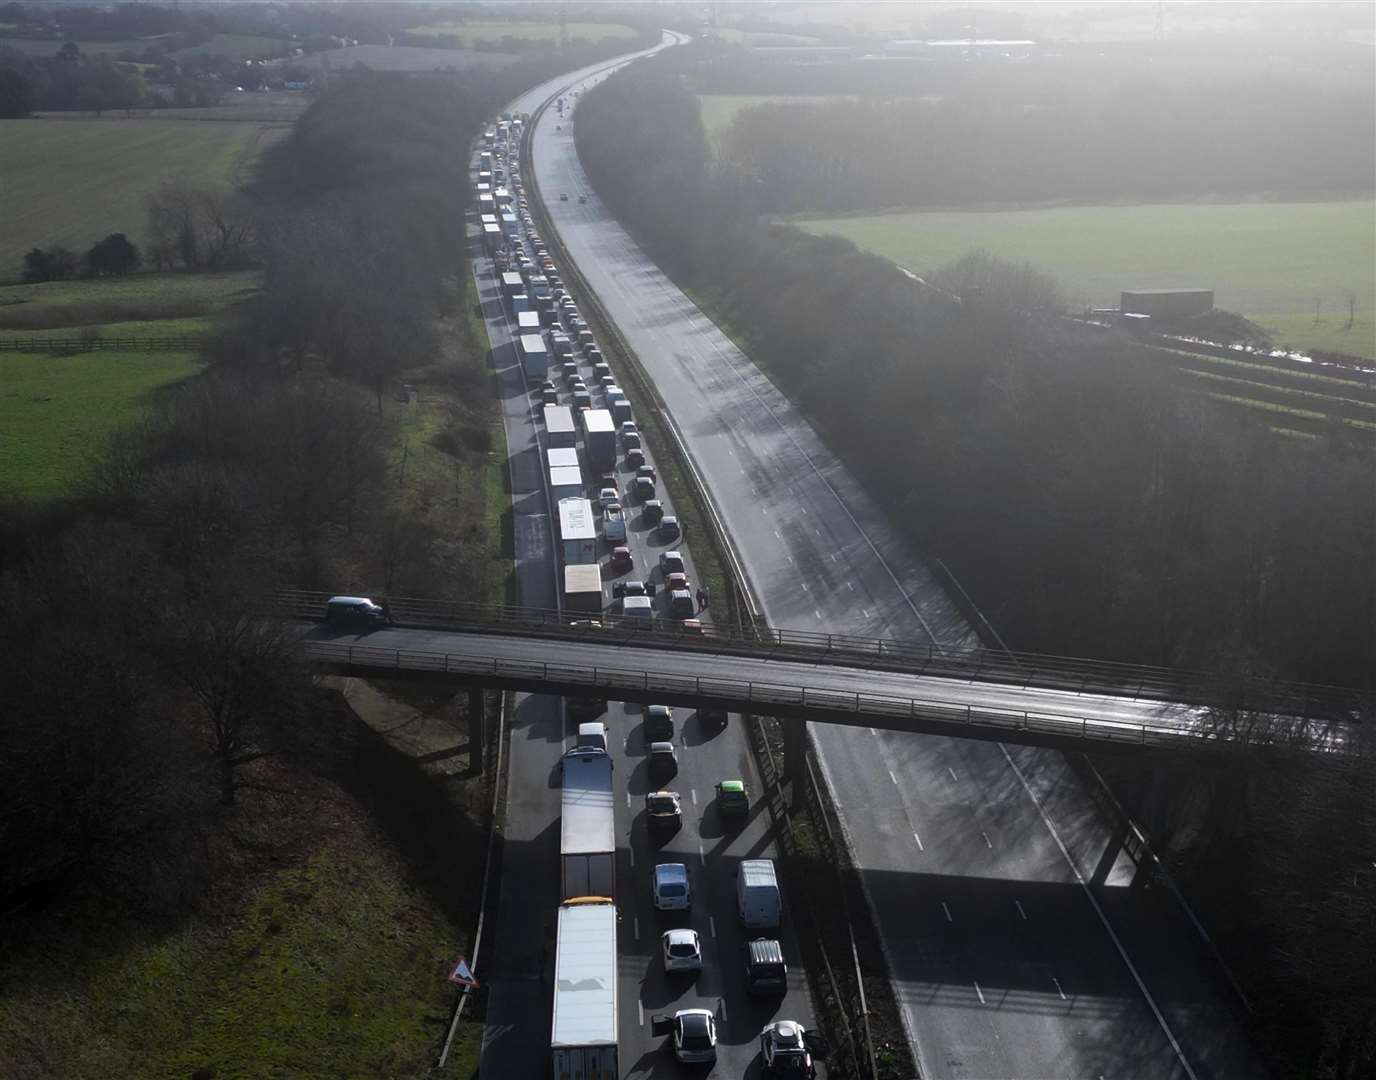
494,30
1268,261
56,411
763,38
236,46
718,110
72,182
36,47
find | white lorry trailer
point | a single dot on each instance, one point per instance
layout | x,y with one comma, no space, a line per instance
583,1040
534,357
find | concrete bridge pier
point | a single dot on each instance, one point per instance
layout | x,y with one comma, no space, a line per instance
795,759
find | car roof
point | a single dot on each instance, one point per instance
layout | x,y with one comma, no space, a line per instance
349,600
671,871
733,785
694,1020
787,1031
661,748
681,936
670,554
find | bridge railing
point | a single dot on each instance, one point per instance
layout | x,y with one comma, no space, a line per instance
1016,669
764,697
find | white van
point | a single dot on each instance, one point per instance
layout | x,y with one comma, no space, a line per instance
757,894
592,736
638,607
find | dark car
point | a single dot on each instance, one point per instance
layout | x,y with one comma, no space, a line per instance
648,472
644,488
653,510
354,611
663,760
669,528
663,811
659,723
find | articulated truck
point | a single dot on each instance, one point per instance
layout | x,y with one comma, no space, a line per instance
583,1042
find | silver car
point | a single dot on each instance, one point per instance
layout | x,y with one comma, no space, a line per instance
682,951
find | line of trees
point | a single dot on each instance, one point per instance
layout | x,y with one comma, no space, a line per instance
114,256
1142,140
1089,507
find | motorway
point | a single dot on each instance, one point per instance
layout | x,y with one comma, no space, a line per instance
517,967
999,890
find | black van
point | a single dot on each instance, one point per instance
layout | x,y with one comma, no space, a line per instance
353,611
765,970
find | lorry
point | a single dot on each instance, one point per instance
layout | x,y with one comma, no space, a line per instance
557,457
587,832
559,429
758,901
583,588
565,482
512,284
599,440
583,1035
528,322
578,535
535,358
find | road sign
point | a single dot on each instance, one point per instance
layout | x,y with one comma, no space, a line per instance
463,974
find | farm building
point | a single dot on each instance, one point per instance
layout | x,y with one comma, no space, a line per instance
1167,303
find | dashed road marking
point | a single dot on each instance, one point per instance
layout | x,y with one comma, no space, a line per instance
1058,988
980,993
1018,904
919,842
953,774
712,925
637,928
948,912
694,792
850,586
893,778
987,842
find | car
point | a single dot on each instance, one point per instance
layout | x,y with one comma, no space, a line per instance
547,385
677,581
643,488
628,432
563,196
632,588
653,511
681,605
582,199
765,969
669,528
601,370
607,496
682,951
621,560
581,398
784,1047
578,386
549,397
581,709
670,888
663,760
354,611
635,457
733,798
671,562
663,811
659,723
695,1036
647,472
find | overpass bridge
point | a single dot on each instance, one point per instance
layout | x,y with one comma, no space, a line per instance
862,682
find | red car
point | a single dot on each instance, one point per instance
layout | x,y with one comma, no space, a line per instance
621,558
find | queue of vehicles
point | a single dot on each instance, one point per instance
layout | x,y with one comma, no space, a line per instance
556,346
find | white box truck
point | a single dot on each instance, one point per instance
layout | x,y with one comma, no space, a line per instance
578,536
583,588
758,900
559,429
559,457
534,357
565,482
583,1039
527,322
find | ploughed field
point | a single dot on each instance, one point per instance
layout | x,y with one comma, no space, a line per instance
1267,261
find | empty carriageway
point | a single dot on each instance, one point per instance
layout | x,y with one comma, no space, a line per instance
1040,701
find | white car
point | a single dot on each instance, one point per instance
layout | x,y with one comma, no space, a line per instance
695,1036
607,496
785,1050
672,889
682,951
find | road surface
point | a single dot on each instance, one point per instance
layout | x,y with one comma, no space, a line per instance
972,855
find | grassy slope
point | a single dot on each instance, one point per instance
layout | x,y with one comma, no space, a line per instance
495,30
238,46
71,182
1266,260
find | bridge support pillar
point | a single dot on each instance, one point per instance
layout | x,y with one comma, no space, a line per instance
477,723
795,760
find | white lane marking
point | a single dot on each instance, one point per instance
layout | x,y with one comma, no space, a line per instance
833,556
789,558
893,778
865,612
953,774
803,509
702,855
818,614
640,1010
804,585
776,535
987,842
721,1008
948,912
637,928
1058,988
1094,903
817,531
919,842
850,586
980,993
1018,904
763,509
632,853
694,792
712,925
628,800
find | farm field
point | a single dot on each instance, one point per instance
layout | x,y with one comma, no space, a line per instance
72,182
56,410
404,58
763,38
62,305
718,110
50,46
237,46
492,31
1268,261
